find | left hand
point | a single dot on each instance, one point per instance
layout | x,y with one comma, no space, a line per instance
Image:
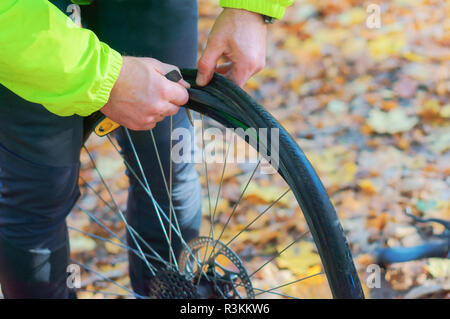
240,37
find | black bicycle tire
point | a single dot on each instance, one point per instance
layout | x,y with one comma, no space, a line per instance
225,102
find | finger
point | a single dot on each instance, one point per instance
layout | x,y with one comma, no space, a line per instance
159,118
184,83
239,74
224,68
207,63
165,110
149,126
244,69
175,93
172,109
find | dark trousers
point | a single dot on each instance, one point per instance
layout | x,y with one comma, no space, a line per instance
39,157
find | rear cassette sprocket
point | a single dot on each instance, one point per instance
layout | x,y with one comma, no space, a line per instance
228,283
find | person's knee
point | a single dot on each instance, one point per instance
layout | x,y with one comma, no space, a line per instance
32,187
33,273
35,200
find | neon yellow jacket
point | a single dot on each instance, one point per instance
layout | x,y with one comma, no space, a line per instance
45,58
271,8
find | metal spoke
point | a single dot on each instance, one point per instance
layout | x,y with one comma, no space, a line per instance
221,183
121,244
132,171
217,201
259,289
151,195
254,288
275,293
105,293
119,211
153,251
206,169
103,239
257,217
183,242
289,283
109,279
278,254
170,180
168,189
211,221
95,219
234,207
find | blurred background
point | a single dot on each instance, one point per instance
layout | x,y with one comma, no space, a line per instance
367,97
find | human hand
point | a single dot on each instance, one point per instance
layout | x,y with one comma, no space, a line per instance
240,37
143,96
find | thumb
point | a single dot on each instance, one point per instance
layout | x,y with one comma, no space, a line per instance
207,64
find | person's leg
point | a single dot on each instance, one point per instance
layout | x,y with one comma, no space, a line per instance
39,166
165,30
35,198
35,273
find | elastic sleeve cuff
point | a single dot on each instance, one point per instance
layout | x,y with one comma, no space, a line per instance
265,7
101,96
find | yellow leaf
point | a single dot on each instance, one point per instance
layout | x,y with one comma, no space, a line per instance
252,84
265,194
367,186
268,73
331,36
336,166
313,273
109,166
113,249
353,46
391,122
386,45
430,110
299,257
352,17
347,174
439,267
414,57
80,243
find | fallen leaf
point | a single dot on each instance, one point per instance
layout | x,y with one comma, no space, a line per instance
258,194
112,248
386,45
299,257
439,268
367,186
80,243
391,122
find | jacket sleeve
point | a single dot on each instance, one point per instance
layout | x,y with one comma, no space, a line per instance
45,58
271,8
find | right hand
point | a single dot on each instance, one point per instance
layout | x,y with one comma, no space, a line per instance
143,96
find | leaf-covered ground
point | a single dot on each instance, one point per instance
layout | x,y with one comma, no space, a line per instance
369,106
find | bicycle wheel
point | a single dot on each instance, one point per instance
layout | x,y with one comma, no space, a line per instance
220,263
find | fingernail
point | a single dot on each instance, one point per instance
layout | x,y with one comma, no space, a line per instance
185,84
200,79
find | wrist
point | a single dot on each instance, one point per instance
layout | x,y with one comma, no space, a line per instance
245,15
